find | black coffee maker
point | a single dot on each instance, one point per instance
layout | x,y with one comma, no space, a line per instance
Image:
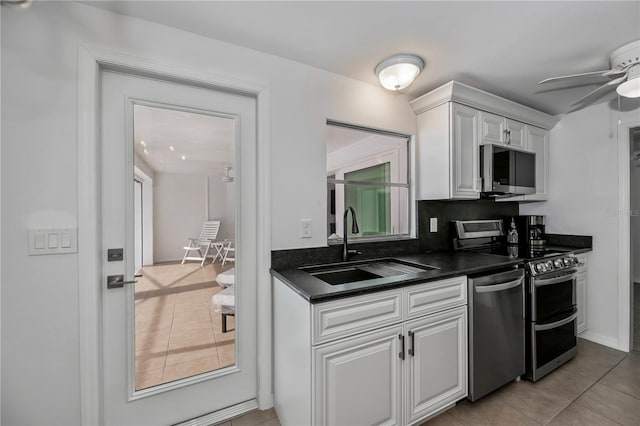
531,230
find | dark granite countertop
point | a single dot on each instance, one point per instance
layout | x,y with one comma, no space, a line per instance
449,264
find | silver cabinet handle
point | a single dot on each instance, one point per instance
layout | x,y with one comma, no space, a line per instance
556,324
499,287
411,350
507,136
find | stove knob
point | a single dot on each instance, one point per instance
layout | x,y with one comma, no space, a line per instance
540,267
558,263
567,261
549,265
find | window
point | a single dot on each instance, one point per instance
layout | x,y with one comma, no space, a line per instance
368,170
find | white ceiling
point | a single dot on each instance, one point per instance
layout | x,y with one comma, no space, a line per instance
501,47
163,136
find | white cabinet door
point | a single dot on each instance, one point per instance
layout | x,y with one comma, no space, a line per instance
581,295
581,292
492,128
358,380
436,368
465,172
538,142
516,135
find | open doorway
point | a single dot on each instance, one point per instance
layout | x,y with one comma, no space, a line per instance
634,145
184,232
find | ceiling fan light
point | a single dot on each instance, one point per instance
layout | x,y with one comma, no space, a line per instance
631,87
399,71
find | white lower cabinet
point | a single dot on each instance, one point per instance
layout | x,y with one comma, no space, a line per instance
436,367
358,380
403,369
581,292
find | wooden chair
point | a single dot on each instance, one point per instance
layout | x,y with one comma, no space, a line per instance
204,244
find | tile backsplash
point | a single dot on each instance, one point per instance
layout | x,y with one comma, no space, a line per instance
446,211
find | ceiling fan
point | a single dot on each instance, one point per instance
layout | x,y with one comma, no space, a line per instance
625,71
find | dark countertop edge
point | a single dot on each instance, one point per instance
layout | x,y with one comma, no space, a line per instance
395,282
582,250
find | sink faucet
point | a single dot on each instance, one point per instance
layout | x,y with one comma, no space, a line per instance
354,229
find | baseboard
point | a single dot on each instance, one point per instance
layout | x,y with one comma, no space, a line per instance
600,339
222,415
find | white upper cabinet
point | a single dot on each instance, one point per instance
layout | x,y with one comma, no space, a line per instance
447,153
465,163
493,128
538,142
515,134
502,131
454,120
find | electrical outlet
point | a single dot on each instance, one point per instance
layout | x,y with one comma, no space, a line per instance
306,228
433,224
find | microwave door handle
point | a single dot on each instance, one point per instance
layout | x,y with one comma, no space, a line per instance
548,281
498,287
543,327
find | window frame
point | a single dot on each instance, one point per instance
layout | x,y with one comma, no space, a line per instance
409,185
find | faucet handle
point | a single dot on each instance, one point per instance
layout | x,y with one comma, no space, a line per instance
353,252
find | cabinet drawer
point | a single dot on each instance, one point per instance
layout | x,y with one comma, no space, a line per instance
435,296
344,317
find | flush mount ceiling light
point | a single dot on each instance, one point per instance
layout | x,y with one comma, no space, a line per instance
398,71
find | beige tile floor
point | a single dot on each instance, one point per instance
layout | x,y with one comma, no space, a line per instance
178,331
601,386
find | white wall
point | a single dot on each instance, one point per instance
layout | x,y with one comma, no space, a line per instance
179,203
583,199
40,372
222,202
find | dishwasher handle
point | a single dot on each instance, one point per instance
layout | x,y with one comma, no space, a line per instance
499,287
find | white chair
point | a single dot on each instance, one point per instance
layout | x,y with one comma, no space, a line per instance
229,252
204,244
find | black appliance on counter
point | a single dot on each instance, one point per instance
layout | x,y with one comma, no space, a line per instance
549,316
531,230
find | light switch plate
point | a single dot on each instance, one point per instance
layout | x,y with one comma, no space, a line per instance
306,226
53,241
433,224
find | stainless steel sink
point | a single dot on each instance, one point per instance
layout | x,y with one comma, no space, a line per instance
346,275
363,271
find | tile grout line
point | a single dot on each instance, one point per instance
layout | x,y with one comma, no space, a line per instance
587,389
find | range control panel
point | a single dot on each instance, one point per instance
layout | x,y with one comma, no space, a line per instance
558,263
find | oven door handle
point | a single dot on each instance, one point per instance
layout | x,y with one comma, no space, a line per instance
539,282
556,324
499,287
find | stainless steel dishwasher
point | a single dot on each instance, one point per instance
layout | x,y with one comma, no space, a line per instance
496,331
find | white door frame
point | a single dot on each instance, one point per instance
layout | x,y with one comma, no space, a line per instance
91,60
624,234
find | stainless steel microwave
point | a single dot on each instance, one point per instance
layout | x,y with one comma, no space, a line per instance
507,171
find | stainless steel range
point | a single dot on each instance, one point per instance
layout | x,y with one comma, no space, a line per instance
551,313
549,324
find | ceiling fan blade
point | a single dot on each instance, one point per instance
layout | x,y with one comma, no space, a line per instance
605,86
585,74
618,71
